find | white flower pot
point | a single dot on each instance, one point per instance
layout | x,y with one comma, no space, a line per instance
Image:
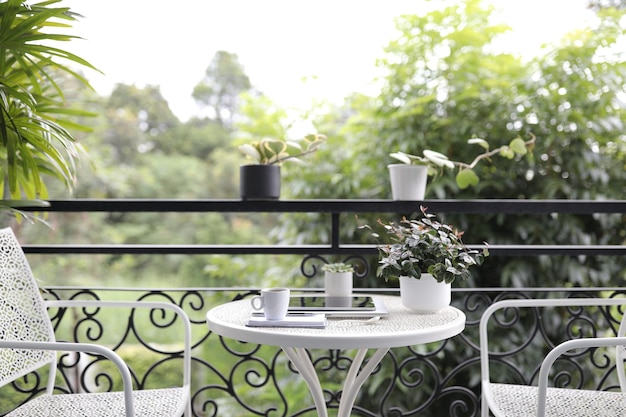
424,295
338,284
408,182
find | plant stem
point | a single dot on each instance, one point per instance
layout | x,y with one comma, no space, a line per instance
489,154
308,151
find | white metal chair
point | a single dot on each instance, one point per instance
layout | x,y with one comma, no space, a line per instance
27,343
513,400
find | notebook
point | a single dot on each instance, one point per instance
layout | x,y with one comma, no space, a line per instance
310,320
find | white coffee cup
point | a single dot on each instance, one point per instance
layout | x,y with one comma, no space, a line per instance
273,301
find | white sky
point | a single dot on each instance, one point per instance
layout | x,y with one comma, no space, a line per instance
279,42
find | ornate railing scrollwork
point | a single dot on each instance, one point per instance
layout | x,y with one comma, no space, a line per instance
311,265
234,378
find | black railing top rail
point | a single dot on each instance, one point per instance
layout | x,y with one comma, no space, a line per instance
335,208
508,206
155,249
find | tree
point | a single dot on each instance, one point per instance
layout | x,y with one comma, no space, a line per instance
260,117
198,137
137,116
223,81
146,104
446,83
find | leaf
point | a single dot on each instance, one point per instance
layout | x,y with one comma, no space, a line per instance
294,144
250,151
478,141
402,157
33,110
518,146
466,178
271,150
314,141
438,159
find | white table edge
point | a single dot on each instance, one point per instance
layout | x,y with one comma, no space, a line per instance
317,339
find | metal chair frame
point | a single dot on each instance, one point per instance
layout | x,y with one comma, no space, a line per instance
540,394
27,343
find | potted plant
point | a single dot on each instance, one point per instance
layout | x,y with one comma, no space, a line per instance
35,140
426,256
261,179
338,279
408,179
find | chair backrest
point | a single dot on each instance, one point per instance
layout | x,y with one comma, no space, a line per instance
23,316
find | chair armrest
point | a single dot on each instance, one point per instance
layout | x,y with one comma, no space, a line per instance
84,347
139,304
530,303
559,350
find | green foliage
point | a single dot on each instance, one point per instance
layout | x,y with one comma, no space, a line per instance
136,118
35,121
445,82
445,85
198,138
466,176
338,267
426,246
270,151
168,373
260,117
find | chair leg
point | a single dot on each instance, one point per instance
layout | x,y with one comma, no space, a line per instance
484,407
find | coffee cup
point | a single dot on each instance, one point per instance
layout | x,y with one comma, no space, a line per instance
273,301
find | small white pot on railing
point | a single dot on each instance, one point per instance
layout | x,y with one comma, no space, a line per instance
338,279
408,182
338,284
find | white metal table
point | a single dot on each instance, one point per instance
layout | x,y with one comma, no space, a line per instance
401,328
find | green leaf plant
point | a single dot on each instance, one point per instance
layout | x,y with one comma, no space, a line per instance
425,245
270,151
338,267
466,176
35,140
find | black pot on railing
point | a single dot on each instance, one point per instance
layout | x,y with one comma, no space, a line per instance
259,182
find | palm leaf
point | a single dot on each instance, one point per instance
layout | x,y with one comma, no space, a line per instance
35,123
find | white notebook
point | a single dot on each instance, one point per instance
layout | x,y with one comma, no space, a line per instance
316,321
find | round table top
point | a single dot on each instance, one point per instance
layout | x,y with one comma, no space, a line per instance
401,327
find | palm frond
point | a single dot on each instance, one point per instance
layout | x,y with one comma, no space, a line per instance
35,122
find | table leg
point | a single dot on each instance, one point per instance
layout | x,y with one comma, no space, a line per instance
355,379
302,362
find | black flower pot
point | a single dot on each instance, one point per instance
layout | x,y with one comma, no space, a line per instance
259,182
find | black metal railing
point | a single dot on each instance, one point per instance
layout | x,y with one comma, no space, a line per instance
238,379
335,208
230,378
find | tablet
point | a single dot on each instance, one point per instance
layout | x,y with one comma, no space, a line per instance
354,306
323,302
